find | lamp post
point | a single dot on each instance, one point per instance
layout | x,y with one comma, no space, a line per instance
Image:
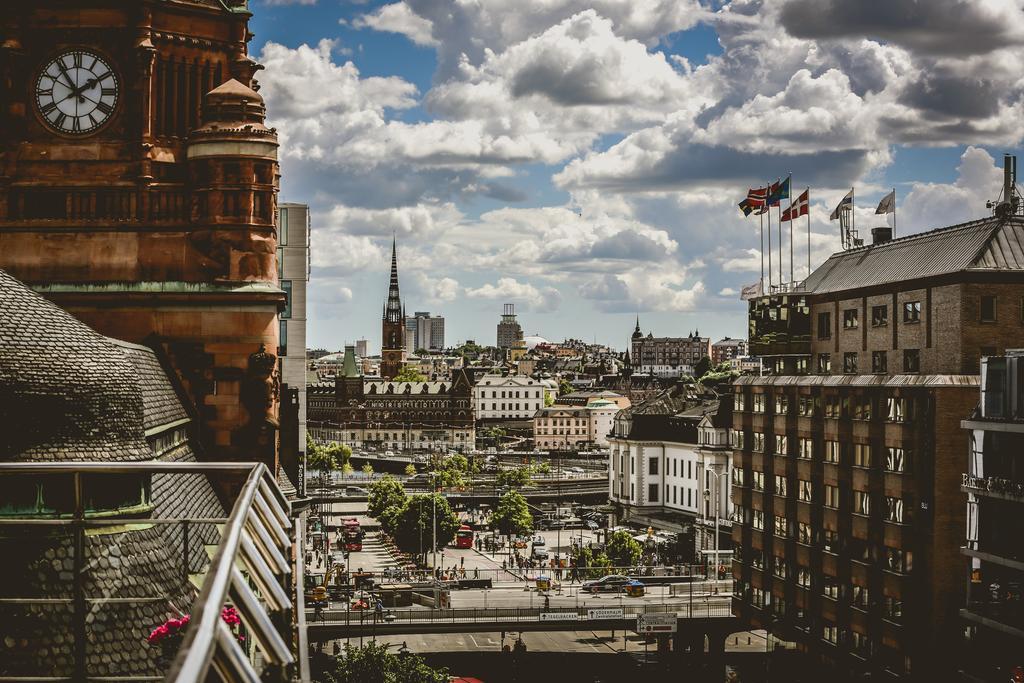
715,470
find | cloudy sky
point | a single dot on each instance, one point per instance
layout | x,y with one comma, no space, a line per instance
583,158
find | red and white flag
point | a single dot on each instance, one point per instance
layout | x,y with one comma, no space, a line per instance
800,207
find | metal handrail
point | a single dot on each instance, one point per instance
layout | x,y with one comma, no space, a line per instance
260,512
207,640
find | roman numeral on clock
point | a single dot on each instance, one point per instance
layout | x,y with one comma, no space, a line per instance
59,121
44,92
104,107
76,124
109,91
77,60
48,107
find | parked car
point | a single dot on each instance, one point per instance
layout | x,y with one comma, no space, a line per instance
540,553
591,525
356,491
389,454
613,583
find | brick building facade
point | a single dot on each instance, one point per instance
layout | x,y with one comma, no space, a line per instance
848,508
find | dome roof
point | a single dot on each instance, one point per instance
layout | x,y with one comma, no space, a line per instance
533,340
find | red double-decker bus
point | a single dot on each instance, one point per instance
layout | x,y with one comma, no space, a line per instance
464,537
352,535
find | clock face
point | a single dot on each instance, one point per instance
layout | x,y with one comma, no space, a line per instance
76,92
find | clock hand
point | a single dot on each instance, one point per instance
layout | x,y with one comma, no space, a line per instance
67,76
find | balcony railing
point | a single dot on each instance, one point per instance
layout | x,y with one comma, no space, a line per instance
250,570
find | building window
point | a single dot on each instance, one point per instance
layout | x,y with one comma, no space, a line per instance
781,445
803,577
892,608
850,362
899,561
899,409
652,465
832,452
781,528
737,439
806,490
895,460
862,502
780,485
862,409
757,520
879,316
879,362
824,326
804,535
830,632
912,312
758,444
758,403
807,406
893,509
286,286
831,496
757,480
861,455
911,360
738,476
806,451
988,309
860,597
824,363
781,404
652,493
282,344
830,540
830,589
850,321
831,406
779,567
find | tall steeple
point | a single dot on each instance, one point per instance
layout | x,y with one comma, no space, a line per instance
392,344
393,309
636,332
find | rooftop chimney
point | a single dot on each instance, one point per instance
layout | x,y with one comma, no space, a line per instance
881,235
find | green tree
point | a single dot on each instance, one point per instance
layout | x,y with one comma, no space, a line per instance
514,477
384,493
592,565
415,522
375,663
367,469
410,469
347,469
564,387
549,399
702,367
512,515
722,373
410,374
542,468
623,550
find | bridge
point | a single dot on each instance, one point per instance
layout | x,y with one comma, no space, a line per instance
714,619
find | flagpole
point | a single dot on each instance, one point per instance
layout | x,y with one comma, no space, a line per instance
791,279
853,214
760,217
808,231
768,213
780,242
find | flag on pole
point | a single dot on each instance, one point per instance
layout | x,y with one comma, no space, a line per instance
888,203
778,192
798,208
757,196
752,291
845,204
746,207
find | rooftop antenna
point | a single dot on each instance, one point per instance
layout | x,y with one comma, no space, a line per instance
1009,201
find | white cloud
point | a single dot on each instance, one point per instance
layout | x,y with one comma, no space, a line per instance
510,289
934,205
399,18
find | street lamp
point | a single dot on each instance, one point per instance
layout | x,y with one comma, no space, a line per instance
715,470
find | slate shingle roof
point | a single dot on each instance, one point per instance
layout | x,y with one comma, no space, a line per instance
987,244
73,394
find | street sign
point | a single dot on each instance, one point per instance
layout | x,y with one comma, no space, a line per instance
559,616
656,623
606,613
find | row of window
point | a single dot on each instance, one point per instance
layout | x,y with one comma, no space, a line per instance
526,394
879,362
893,511
897,409
987,313
897,458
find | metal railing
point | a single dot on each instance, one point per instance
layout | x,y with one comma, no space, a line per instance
604,612
256,537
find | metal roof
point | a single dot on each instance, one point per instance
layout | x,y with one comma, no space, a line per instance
987,244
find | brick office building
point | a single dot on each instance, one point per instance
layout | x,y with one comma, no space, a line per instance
138,190
848,456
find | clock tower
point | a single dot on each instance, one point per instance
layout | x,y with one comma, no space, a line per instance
392,343
138,190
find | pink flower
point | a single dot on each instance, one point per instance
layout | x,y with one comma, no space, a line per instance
172,624
185,619
230,616
154,636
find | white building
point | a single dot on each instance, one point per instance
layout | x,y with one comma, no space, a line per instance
293,274
507,398
561,427
670,464
424,331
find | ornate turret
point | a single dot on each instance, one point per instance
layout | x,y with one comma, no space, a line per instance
636,331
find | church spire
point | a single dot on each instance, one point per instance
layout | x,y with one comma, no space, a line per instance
393,309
